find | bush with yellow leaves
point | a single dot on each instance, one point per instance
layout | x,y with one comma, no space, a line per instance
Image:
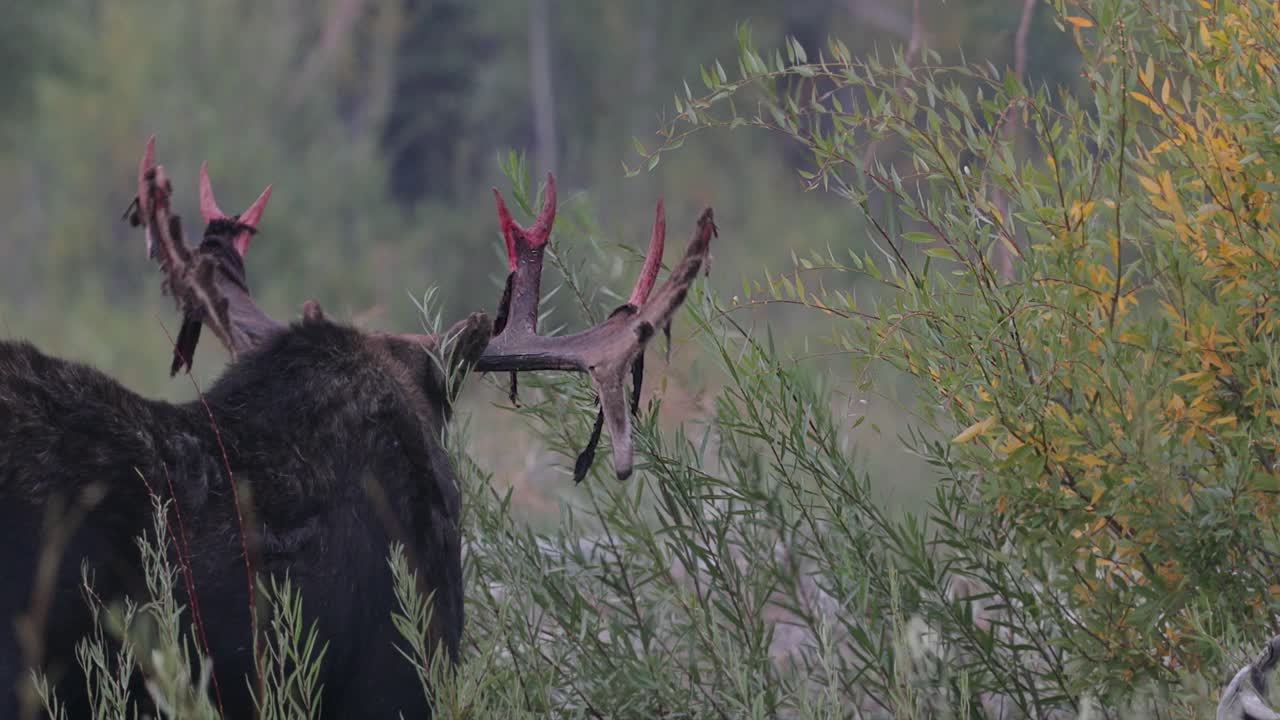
1084,285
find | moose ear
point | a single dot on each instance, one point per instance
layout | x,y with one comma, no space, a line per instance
463,344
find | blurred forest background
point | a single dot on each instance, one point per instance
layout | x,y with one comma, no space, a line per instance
381,123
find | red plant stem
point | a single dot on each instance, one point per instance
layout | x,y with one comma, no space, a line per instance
235,498
187,578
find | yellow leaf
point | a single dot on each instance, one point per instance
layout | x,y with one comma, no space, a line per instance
1008,244
1091,461
974,430
1151,104
1149,185
1080,22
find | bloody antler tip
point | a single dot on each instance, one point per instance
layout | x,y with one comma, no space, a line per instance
535,235
652,258
148,156
145,165
143,199
253,213
549,200
541,228
509,227
249,218
209,209
504,215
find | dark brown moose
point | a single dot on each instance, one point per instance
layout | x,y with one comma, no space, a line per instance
318,447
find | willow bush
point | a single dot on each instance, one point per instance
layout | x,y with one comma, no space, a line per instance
1081,286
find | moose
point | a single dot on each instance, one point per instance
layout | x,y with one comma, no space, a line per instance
318,447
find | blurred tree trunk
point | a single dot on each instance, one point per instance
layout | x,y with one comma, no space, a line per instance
643,77
915,47
339,22
809,23
435,62
1004,251
541,88
883,15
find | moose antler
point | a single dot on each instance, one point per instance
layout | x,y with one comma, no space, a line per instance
209,282
210,287
607,352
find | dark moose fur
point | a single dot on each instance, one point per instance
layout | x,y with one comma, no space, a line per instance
334,433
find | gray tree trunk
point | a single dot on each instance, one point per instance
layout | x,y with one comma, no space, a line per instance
541,87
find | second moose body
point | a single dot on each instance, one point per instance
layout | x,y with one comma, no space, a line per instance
318,448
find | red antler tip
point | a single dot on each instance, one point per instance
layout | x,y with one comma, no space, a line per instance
144,166
250,217
534,236
209,209
253,213
652,259
148,157
509,228
541,228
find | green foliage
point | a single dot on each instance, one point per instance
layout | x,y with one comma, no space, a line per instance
1082,289
473,690
291,659
152,638
414,616
149,638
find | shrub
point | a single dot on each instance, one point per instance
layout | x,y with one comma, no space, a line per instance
1083,290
